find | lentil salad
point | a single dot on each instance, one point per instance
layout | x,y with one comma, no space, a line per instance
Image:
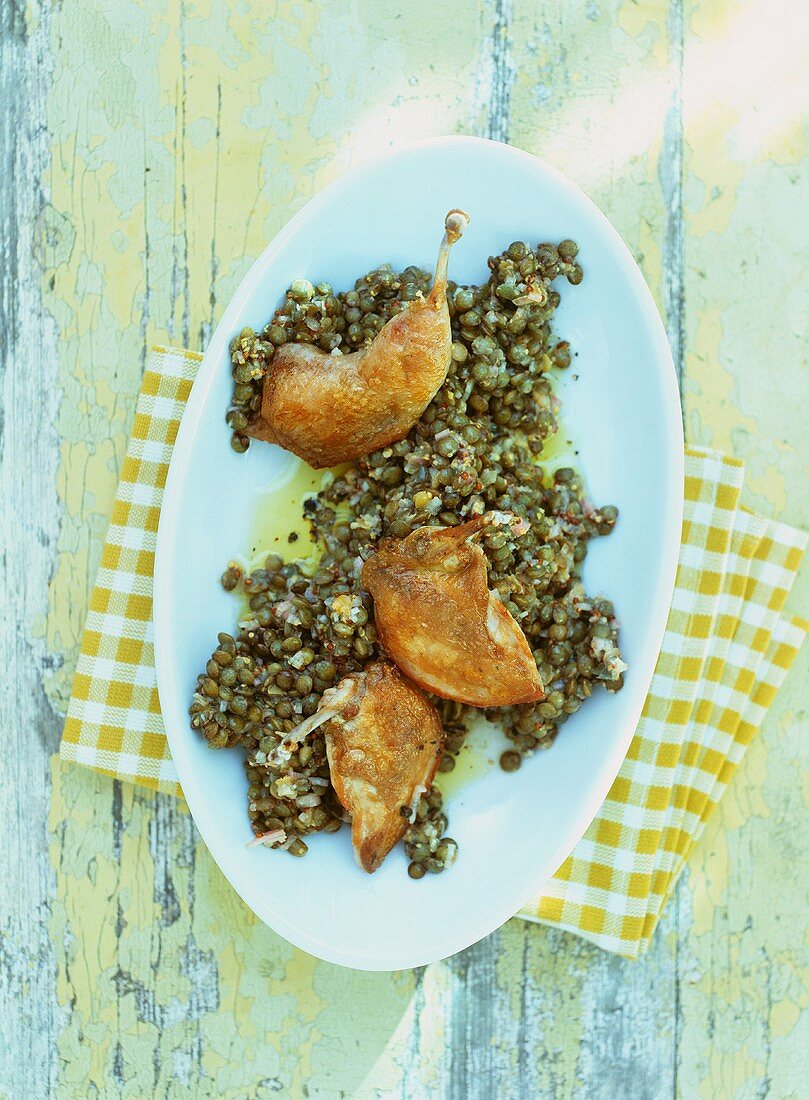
478,446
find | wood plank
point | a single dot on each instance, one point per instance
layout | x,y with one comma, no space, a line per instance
155,152
29,1015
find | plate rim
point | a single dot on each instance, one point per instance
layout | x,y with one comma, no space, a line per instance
195,405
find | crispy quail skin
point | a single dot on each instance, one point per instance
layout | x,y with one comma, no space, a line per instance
335,408
384,741
442,626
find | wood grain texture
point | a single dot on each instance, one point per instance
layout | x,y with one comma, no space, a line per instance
30,1014
150,151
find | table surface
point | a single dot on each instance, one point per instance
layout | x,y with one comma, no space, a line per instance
152,150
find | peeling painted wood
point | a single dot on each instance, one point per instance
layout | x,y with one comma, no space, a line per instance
671,181
30,1015
154,149
502,73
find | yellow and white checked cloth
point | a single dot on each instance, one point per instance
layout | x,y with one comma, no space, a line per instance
727,648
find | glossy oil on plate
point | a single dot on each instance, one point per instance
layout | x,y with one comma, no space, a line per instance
623,414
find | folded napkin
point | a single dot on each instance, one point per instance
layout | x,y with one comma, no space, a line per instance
727,648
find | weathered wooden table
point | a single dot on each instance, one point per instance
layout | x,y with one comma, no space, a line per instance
150,150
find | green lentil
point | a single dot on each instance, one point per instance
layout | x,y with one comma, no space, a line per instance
478,446
510,761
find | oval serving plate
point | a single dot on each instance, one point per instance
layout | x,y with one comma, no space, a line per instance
623,414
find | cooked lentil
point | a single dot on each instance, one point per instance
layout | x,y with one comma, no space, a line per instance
478,446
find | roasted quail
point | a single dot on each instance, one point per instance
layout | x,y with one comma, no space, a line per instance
440,623
330,408
384,740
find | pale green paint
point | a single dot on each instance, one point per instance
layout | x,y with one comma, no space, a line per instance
162,982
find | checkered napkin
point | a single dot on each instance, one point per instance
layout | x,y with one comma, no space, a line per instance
727,648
